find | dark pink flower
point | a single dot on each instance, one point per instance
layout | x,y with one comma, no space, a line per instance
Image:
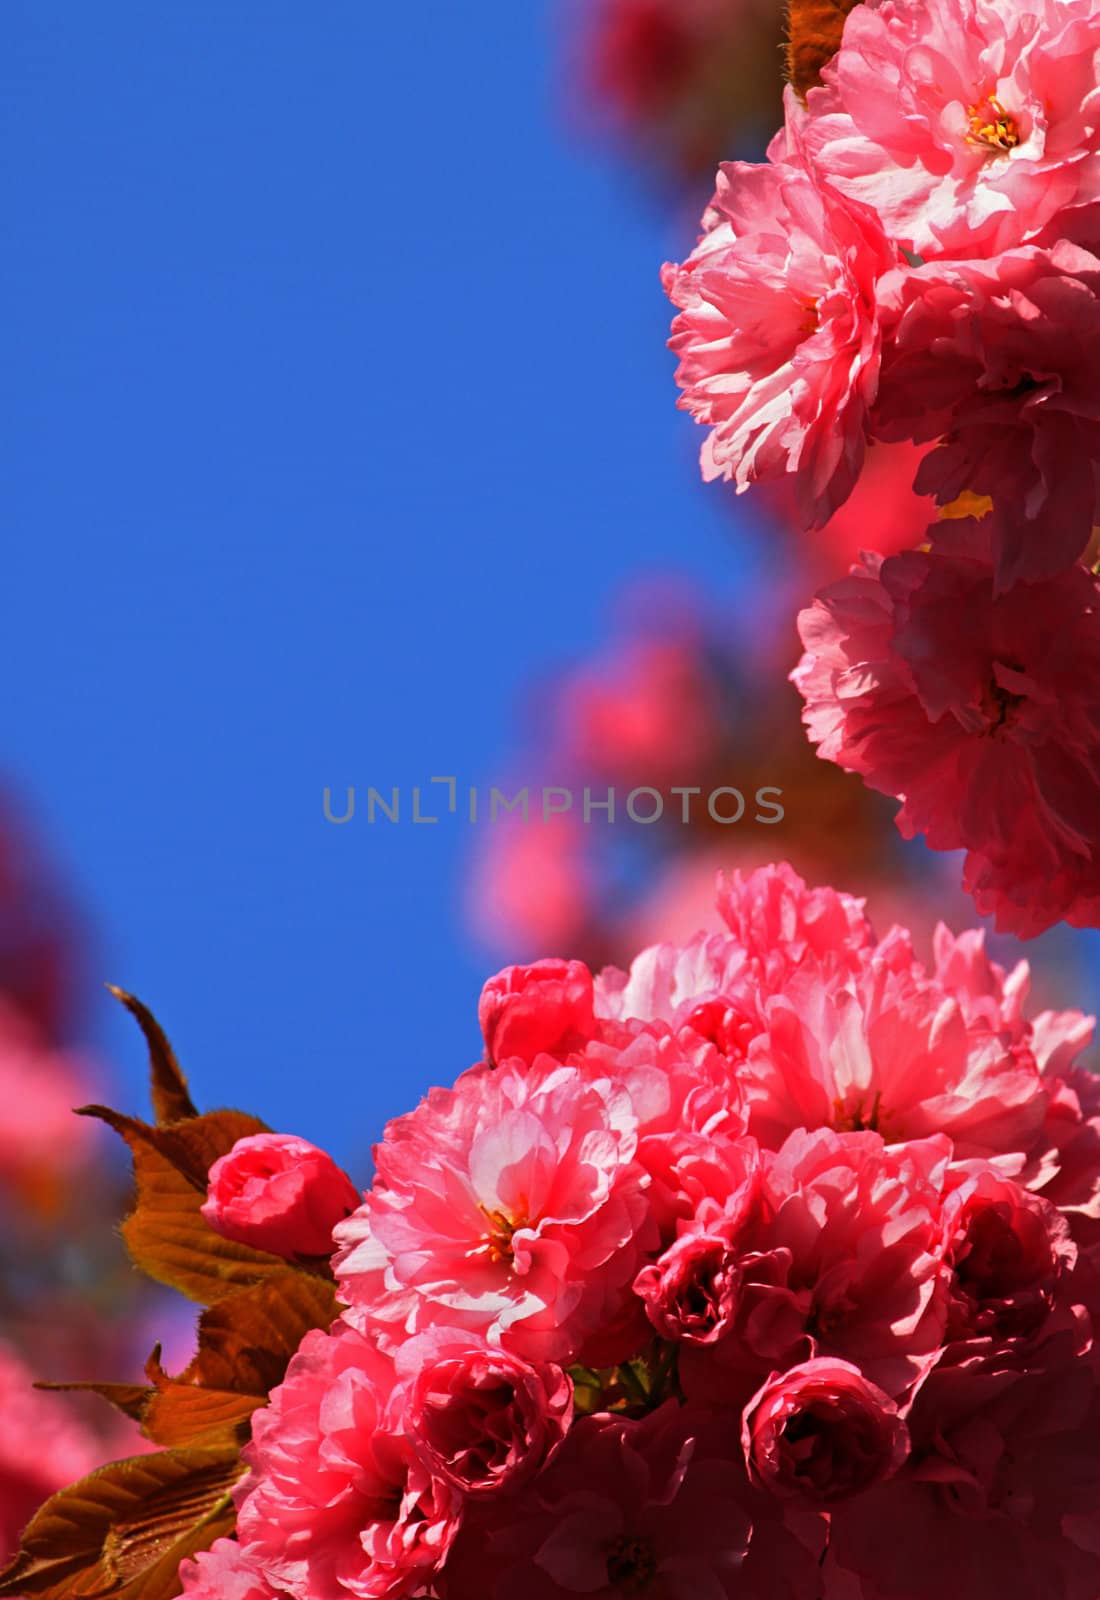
481,1418
820,1433
778,332
999,1498
1008,1251
995,362
841,1257
624,1508
545,1008
279,1193
980,710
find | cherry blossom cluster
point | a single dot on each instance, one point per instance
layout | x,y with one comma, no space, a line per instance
918,262
766,1270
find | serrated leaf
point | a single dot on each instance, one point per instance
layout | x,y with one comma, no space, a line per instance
814,30
165,1233
129,1398
123,1531
245,1345
181,1414
171,1097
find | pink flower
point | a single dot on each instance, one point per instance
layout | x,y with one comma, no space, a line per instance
967,125
821,1433
1065,1166
511,1205
277,1193
841,1257
481,1419
692,1293
996,361
980,711
892,1051
624,1508
338,1502
545,1008
718,984
778,333
1008,1251
224,1573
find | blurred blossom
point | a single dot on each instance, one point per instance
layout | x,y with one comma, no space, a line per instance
71,1306
43,1446
683,82
40,936
43,1147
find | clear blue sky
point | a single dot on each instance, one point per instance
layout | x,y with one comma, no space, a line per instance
335,404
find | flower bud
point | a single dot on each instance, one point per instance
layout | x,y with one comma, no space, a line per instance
278,1193
544,1008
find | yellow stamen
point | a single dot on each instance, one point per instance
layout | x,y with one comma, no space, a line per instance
503,1228
992,127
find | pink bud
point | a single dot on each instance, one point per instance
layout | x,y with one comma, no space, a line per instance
278,1193
481,1419
544,1008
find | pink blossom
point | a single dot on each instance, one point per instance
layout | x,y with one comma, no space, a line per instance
892,1051
338,1502
624,1508
481,1418
224,1573
820,1433
980,711
967,125
647,715
279,1193
512,1206
40,1138
842,1257
995,361
1009,1252
1065,1165
778,333
718,984
43,1447
692,1293
545,1008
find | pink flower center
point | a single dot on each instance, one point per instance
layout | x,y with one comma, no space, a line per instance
1000,705
631,1565
858,1117
991,127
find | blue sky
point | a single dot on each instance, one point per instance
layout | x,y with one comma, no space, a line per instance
335,404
